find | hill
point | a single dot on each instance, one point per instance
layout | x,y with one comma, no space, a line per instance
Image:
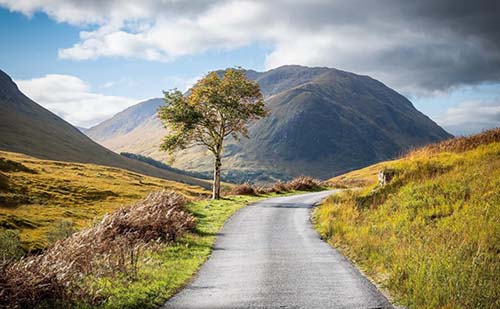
28,128
322,122
37,195
431,235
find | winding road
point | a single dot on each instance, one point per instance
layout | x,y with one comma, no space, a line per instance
269,256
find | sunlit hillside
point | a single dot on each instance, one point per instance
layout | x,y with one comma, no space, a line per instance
37,196
431,236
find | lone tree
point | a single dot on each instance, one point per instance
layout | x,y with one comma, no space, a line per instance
216,108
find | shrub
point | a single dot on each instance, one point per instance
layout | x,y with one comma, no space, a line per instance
279,187
10,246
111,246
62,230
7,165
4,182
303,183
243,189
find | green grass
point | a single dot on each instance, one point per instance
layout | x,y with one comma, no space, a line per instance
432,236
164,271
43,197
36,195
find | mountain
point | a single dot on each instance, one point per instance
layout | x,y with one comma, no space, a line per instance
322,122
28,128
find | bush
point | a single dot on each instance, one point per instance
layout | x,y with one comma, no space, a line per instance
303,183
62,230
7,165
110,247
4,182
279,187
10,246
243,189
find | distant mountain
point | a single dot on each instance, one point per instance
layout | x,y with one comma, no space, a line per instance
135,129
81,129
28,128
322,122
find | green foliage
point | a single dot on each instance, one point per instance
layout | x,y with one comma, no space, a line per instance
10,246
62,230
432,235
215,109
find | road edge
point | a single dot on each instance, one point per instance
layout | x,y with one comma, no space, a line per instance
377,285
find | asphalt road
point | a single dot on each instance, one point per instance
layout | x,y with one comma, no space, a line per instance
269,256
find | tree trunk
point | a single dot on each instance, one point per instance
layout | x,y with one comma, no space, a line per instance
216,185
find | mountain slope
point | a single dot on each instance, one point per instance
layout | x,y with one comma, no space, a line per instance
28,128
135,129
322,122
36,195
431,235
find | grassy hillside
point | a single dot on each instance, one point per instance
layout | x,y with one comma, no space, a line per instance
431,236
137,256
36,196
28,128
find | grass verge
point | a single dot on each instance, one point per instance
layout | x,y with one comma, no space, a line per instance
162,272
432,235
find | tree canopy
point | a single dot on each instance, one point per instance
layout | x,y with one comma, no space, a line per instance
215,108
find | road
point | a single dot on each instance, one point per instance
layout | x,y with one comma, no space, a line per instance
269,256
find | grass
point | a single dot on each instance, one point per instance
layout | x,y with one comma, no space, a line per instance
432,235
43,201
37,195
164,271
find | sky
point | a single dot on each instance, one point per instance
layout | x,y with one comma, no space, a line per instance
87,60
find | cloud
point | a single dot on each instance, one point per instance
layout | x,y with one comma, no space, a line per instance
72,99
471,117
418,47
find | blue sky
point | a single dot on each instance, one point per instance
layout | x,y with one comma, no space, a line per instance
88,61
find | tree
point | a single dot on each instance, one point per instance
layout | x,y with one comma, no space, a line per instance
215,108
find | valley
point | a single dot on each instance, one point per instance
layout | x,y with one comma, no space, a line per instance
249,154
322,122
58,188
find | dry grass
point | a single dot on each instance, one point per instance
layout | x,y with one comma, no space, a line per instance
243,189
112,246
304,183
301,183
432,235
460,144
36,195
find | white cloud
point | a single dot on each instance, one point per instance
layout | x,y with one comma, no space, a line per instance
418,47
471,117
72,99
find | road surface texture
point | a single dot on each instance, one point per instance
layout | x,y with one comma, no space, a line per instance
269,256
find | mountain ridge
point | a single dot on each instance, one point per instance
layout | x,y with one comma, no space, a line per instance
28,128
312,112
